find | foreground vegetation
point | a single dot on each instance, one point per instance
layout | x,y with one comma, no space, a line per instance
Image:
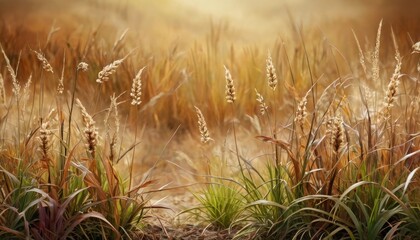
337,134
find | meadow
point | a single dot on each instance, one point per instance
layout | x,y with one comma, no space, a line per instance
209,120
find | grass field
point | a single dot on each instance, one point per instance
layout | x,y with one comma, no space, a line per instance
214,119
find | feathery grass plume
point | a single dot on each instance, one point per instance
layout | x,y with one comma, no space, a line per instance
2,90
28,83
114,138
335,131
361,55
90,130
82,66
108,70
301,110
392,89
260,100
16,84
375,56
60,87
136,89
271,73
45,64
202,127
416,47
45,141
230,88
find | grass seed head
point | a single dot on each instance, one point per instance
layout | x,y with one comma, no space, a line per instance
416,47
16,84
335,131
301,111
271,73
260,100
136,89
2,90
108,70
230,88
392,88
45,140
45,64
82,66
202,127
90,130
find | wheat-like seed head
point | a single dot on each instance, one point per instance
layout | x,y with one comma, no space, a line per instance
90,131
60,87
45,141
108,70
416,47
16,84
136,89
375,56
45,64
230,88
202,127
113,108
392,89
260,100
82,66
2,90
335,131
271,73
361,55
301,110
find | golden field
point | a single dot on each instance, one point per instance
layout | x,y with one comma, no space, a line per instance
340,114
